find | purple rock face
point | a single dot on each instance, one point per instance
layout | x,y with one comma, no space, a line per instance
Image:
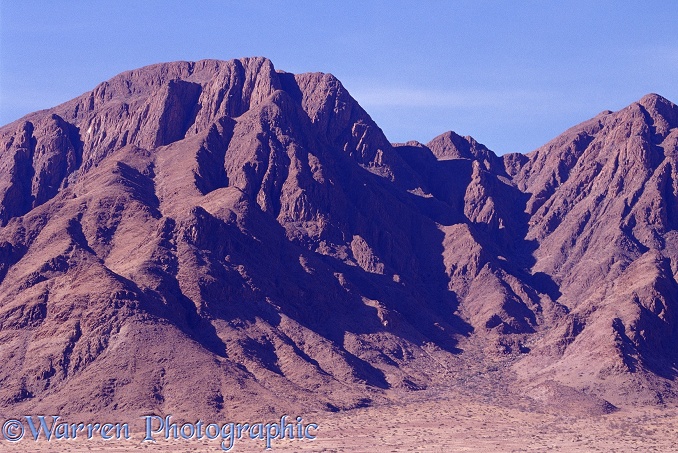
206,237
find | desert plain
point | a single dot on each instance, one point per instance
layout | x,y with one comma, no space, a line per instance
446,423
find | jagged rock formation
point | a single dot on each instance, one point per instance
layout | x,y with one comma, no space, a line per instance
189,235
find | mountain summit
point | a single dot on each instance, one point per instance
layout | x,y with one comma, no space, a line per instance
205,237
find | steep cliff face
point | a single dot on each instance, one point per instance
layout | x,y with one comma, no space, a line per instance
189,235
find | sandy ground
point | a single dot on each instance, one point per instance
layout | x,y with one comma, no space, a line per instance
431,426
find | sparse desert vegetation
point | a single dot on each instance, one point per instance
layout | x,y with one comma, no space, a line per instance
453,424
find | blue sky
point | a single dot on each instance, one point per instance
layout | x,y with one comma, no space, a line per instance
513,74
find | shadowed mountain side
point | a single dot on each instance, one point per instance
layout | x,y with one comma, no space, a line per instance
476,209
232,315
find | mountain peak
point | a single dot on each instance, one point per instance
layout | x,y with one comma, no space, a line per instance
662,111
450,145
653,98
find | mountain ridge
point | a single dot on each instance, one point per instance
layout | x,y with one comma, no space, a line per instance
260,227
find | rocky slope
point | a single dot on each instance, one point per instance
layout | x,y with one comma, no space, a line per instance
188,238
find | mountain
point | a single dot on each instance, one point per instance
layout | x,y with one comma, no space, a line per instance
209,237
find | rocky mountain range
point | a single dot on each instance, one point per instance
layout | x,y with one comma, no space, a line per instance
222,237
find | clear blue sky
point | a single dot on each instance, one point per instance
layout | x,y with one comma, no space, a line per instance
513,74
